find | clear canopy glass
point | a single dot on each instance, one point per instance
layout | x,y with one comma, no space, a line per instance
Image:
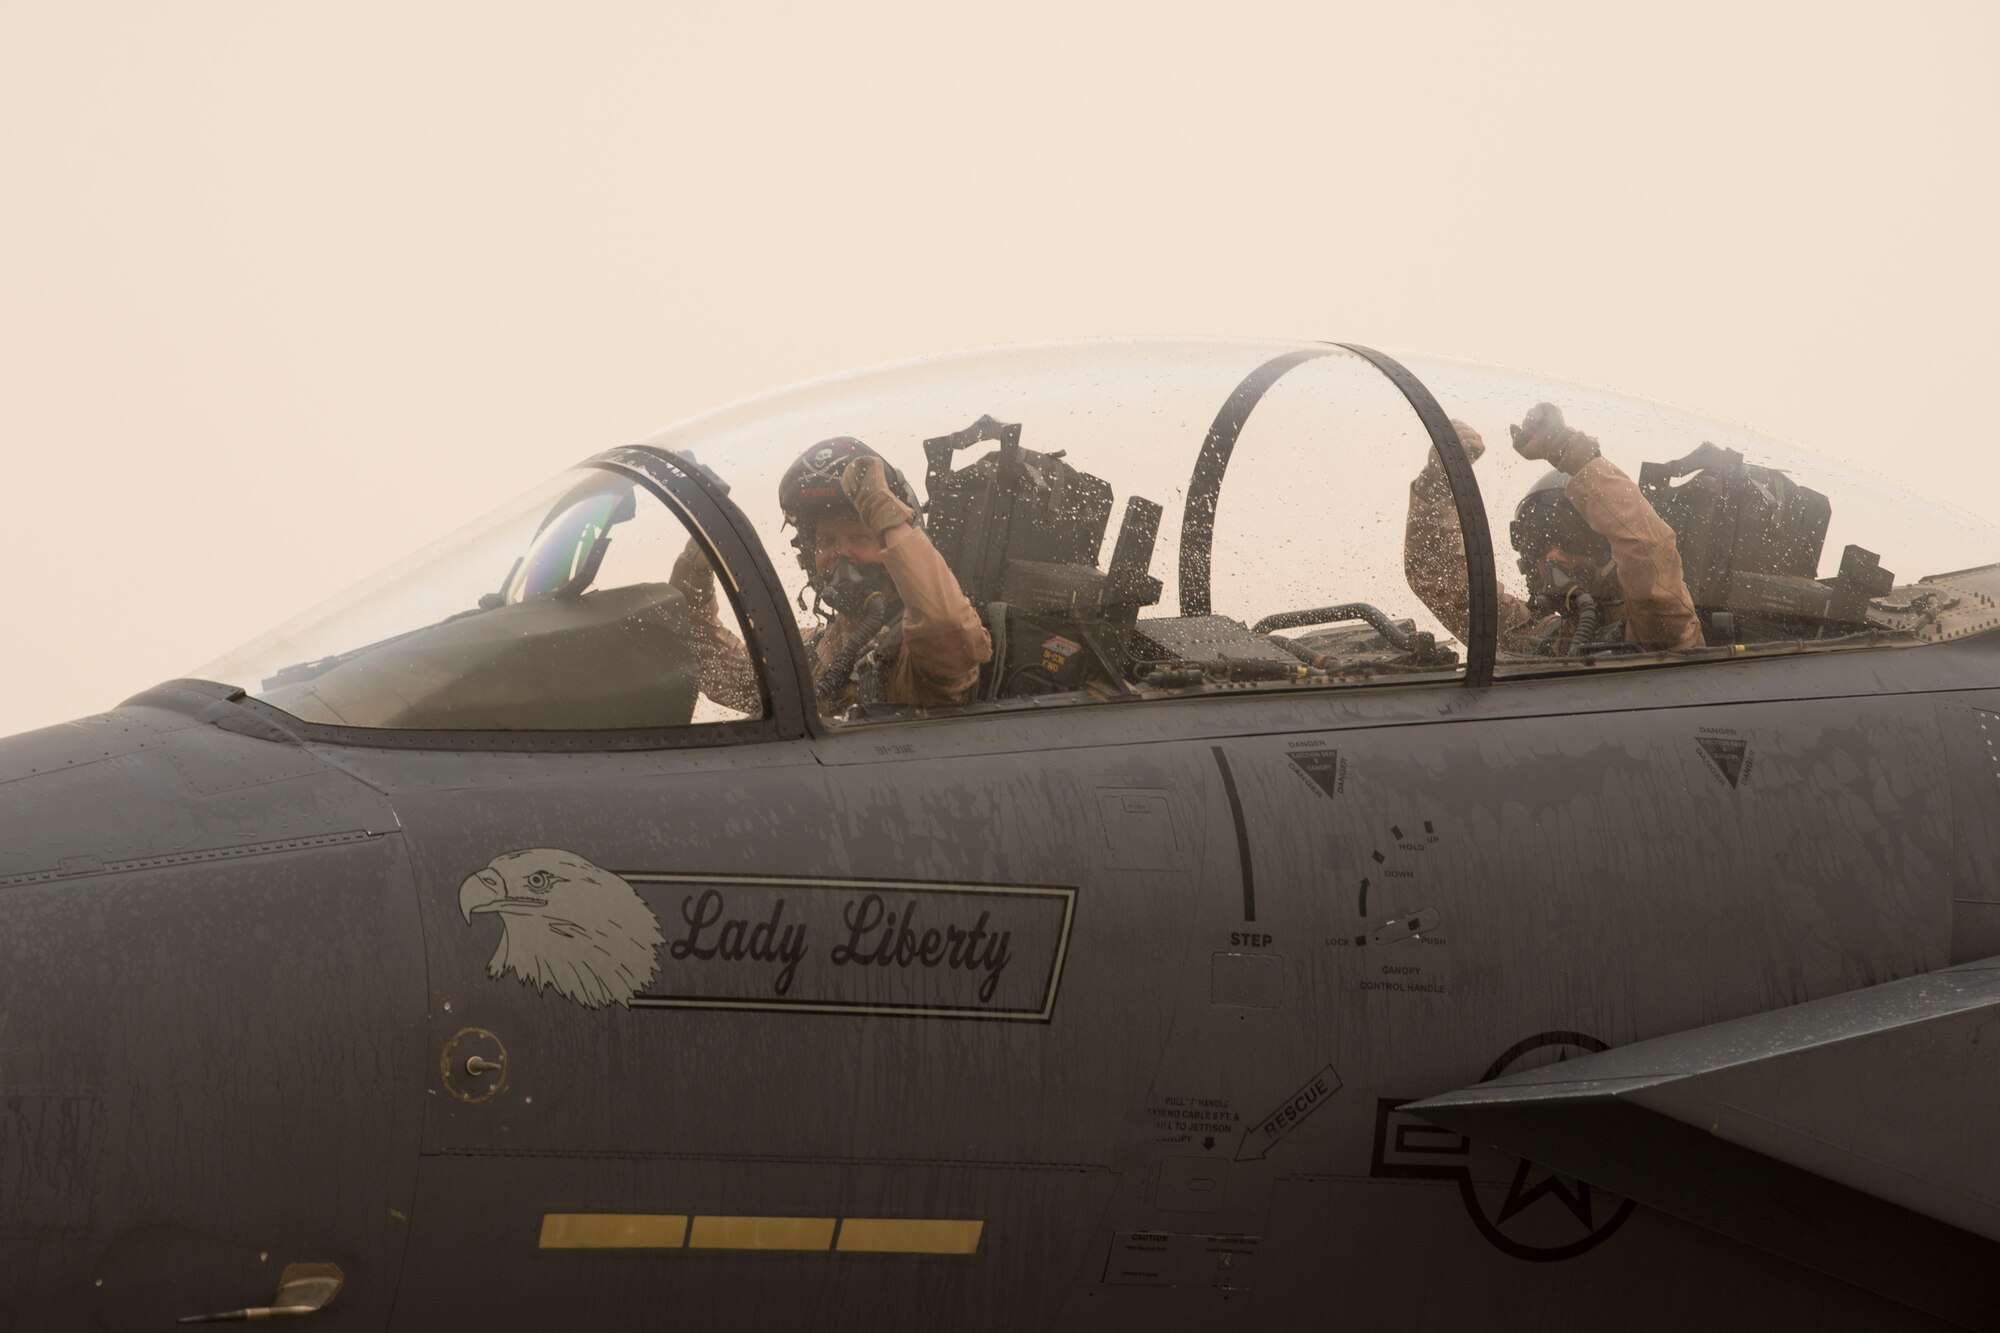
1304,496
1118,520
562,611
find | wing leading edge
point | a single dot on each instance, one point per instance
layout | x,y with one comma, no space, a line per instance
1854,1134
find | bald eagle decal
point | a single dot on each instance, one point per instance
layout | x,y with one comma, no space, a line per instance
566,925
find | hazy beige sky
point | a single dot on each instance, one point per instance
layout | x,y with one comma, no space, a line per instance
287,289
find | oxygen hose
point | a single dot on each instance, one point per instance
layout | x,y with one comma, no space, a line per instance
1587,615
874,614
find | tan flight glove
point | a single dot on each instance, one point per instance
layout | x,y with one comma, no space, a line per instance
1433,478
866,485
1543,435
694,576
1467,436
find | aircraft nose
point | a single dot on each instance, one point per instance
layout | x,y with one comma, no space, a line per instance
480,887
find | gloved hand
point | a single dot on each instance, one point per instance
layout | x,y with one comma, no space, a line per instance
1433,475
1543,435
694,577
1467,436
865,483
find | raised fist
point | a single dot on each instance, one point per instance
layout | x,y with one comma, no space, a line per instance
865,483
1467,436
1433,474
1542,435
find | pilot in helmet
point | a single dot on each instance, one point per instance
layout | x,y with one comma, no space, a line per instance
1602,566
900,628
897,626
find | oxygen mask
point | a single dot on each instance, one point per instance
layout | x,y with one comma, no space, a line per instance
1559,578
849,587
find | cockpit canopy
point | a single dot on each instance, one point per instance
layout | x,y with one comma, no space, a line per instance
1127,520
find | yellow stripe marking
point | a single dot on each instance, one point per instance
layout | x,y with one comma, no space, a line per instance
613,1231
762,1233
909,1235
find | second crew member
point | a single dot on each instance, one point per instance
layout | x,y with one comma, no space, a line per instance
1584,536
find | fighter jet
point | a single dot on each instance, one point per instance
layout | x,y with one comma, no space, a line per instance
1112,835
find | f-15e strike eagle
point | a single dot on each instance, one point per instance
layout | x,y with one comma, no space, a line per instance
580,926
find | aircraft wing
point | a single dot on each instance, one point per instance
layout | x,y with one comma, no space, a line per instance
1854,1134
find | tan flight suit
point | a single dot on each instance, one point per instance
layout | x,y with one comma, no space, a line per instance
726,674
1659,613
943,641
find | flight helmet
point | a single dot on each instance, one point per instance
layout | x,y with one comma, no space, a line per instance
1545,519
809,492
810,489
